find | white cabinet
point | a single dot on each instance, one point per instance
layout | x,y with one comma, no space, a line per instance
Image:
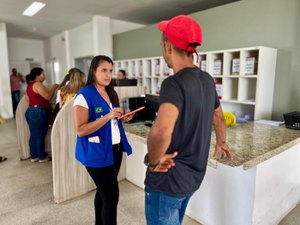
247,79
244,77
150,72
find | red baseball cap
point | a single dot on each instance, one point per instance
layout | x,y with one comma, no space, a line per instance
183,32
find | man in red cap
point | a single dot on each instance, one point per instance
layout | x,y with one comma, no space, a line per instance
179,140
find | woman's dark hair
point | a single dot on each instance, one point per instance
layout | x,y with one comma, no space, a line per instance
123,72
91,79
37,71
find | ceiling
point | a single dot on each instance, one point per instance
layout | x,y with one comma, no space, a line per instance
60,15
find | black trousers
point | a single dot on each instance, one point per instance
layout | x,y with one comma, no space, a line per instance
107,194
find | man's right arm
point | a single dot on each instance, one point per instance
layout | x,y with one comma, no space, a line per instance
21,78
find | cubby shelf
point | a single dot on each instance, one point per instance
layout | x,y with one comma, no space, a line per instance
244,77
234,101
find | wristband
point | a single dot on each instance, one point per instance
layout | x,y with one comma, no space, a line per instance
146,162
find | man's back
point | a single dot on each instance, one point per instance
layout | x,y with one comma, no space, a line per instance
192,91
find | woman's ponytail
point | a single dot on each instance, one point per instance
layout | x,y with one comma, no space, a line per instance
33,74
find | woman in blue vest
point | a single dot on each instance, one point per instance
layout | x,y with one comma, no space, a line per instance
101,137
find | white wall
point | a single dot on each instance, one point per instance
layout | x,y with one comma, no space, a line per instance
58,52
69,45
5,92
48,65
102,36
89,39
80,42
21,49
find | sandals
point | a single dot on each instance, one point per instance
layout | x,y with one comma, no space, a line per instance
34,160
2,158
47,159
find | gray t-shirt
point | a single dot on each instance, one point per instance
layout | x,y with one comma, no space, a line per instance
193,92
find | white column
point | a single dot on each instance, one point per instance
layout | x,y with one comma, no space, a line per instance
67,44
5,92
102,36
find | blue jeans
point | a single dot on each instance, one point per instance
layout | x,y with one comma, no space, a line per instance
165,209
38,121
15,99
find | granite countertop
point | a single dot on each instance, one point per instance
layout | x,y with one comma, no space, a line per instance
251,143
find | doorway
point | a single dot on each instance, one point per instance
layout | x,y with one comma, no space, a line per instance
83,63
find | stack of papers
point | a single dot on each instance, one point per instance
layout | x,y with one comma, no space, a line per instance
270,122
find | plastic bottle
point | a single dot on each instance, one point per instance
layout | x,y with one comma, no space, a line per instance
157,68
125,105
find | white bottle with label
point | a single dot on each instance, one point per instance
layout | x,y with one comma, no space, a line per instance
203,65
219,89
157,68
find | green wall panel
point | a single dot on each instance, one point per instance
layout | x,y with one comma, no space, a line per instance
271,23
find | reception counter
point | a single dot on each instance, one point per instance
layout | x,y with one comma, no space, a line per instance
251,143
259,186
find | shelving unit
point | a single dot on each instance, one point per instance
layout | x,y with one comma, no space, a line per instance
244,77
150,72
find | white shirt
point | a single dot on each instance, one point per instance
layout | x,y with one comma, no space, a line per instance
115,132
58,98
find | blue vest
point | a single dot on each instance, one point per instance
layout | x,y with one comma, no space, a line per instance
93,154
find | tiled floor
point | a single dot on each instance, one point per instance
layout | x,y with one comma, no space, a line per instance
26,194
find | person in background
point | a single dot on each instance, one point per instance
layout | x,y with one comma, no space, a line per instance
121,74
179,140
38,113
100,137
15,79
62,84
76,82
56,108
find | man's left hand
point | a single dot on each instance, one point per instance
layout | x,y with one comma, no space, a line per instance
221,150
165,163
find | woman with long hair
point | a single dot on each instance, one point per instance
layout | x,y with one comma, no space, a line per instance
58,98
100,137
76,82
63,83
38,113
